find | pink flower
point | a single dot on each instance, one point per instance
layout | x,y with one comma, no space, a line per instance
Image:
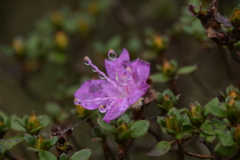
113,94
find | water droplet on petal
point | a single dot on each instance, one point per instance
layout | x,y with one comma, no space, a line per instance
112,55
87,104
94,70
101,76
102,108
87,60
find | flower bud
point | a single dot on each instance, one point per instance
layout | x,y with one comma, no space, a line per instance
39,141
166,97
231,102
83,27
172,125
233,94
93,8
158,42
56,17
61,40
196,114
122,128
167,68
235,19
168,124
33,122
18,46
196,110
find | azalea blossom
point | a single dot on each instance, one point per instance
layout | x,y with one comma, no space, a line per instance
113,94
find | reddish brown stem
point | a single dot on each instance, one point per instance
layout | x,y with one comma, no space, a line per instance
174,87
123,152
105,150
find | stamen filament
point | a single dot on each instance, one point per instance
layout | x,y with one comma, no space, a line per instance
86,58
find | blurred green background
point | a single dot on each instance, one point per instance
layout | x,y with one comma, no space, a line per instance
43,44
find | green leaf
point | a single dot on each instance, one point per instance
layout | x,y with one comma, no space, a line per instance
44,120
139,128
125,135
162,107
161,121
237,104
184,120
160,149
99,132
33,149
168,92
17,124
49,143
217,111
124,118
63,156
13,141
106,126
211,127
5,119
213,102
208,138
35,130
30,139
186,70
83,154
175,113
45,155
224,151
196,120
230,88
226,138
159,77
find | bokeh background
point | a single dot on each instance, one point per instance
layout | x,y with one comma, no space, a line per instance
43,44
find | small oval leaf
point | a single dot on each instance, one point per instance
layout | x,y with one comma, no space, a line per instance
139,128
45,155
83,154
160,149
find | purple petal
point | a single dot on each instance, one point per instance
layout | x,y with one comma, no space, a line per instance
94,93
124,56
137,93
116,67
141,70
116,110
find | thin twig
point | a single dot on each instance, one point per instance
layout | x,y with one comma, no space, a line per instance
154,134
210,148
184,151
174,87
